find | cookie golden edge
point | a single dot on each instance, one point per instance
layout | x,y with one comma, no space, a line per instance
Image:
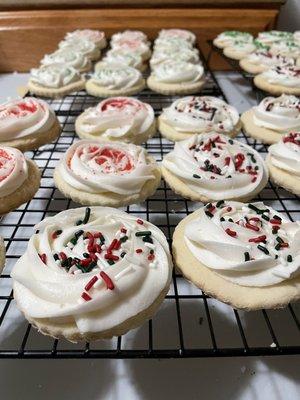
98,91
25,192
262,84
138,139
2,254
170,133
264,135
234,55
283,178
108,199
70,332
54,93
174,89
36,140
237,296
251,68
184,191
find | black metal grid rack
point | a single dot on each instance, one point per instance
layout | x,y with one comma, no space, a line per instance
189,323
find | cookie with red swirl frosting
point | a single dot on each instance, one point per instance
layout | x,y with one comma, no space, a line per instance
107,173
27,123
283,161
19,179
279,79
245,255
92,273
117,119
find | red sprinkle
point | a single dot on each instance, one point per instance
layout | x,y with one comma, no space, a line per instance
284,244
258,239
151,257
275,221
139,251
91,283
111,257
54,235
43,257
62,255
139,221
112,245
97,248
255,219
86,296
86,261
227,160
252,227
254,179
230,232
98,235
123,230
228,209
107,280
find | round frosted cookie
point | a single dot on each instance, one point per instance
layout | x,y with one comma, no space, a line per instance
175,44
132,46
19,179
123,57
84,46
70,58
176,77
279,79
286,48
195,114
183,34
273,117
117,118
245,255
227,38
261,60
107,174
129,35
55,80
185,54
27,123
211,167
270,37
95,36
239,49
115,80
2,253
284,162
91,274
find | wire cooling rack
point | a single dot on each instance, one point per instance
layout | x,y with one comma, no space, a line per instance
189,323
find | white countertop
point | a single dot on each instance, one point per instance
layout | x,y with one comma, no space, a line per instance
252,378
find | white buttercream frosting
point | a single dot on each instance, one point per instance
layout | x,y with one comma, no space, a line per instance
113,76
13,170
197,114
81,45
241,245
69,57
117,118
98,37
286,48
175,44
269,37
227,38
266,59
177,72
280,114
185,54
88,291
286,154
283,76
217,167
129,35
55,75
131,46
177,33
23,117
241,47
119,56
105,167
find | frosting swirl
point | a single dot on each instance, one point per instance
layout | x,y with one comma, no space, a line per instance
13,170
55,75
89,34
177,33
123,57
247,244
172,44
177,72
267,59
227,38
84,46
131,46
24,117
286,153
103,167
117,118
69,57
269,37
286,48
240,46
283,75
113,76
185,54
197,114
217,167
129,35
94,268
278,113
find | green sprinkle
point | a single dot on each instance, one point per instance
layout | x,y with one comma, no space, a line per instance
143,233
196,176
110,262
147,239
122,255
87,215
263,249
265,217
55,256
86,255
79,222
209,214
230,220
222,219
278,246
289,258
123,239
279,239
78,233
219,203
247,256
230,141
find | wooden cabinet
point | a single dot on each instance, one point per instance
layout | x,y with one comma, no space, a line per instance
27,34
